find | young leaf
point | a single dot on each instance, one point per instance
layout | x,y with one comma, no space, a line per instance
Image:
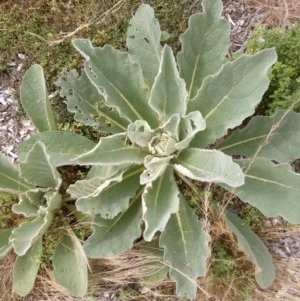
107,198
139,133
209,166
186,249
273,189
88,104
62,147
70,265
38,168
112,150
231,95
26,268
160,199
119,79
35,101
155,167
254,248
143,39
189,126
111,237
272,137
204,46
168,94
5,245
10,180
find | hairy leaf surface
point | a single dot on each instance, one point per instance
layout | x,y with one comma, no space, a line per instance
273,189
106,197
38,168
114,236
26,268
168,94
204,46
254,248
112,150
227,98
123,88
143,39
209,166
10,180
186,249
35,101
62,147
160,199
88,105
70,265
271,137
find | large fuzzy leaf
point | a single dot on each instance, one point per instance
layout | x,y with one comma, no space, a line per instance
160,199
273,189
209,166
119,79
35,101
26,268
10,180
88,104
111,237
62,147
38,168
26,207
204,45
231,95
186,249
168,94
112,150
5,245
254,248
271,137
143,39
106,197
70,265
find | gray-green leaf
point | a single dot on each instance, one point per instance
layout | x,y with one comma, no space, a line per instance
143,39
227,98
88,104
112,150
10,180
204,46
106,197
38,169
186,249
5,245
168,94
35,101
254,248
273,189
118,79
111,237
70,265
271,137
26,268
209,166
160,200
62,147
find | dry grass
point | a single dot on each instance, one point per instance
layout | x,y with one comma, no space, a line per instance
276,12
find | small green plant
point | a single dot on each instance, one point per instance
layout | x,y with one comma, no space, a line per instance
163,122
284,88
39,186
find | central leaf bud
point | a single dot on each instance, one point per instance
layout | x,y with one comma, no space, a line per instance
162,145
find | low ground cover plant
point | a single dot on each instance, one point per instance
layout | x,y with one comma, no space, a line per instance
166,124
